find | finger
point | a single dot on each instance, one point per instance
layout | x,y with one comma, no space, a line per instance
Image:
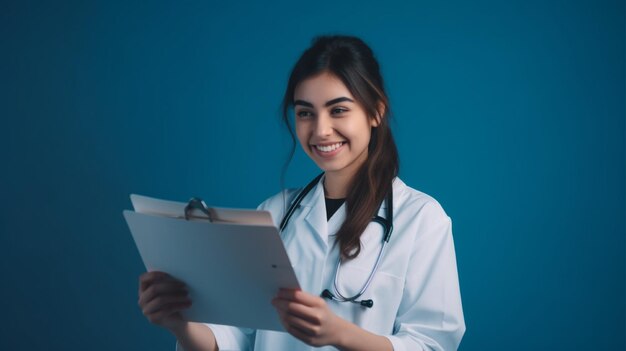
165,303
300,334
165,312
288,294
302,325
149,278
301,297
288,323
158,290
160,316
163,289
297,309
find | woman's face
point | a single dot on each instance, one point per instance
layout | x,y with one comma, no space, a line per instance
332,127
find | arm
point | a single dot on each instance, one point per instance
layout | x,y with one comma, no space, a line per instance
355,338
430,315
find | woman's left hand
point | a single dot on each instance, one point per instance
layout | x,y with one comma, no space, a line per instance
307,317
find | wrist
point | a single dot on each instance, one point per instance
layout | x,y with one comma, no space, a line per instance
179,330
352,337
344,333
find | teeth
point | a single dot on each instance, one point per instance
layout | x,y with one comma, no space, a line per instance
328,148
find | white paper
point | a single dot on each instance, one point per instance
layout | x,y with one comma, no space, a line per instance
232,271
149,205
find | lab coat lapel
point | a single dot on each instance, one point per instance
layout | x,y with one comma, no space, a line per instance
335,222
316,217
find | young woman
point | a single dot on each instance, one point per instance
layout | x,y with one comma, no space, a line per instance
375,258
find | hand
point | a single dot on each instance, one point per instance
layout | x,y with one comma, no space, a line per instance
162,298
307,317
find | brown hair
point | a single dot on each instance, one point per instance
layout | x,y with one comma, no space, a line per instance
351,60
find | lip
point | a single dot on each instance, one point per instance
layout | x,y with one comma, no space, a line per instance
328,154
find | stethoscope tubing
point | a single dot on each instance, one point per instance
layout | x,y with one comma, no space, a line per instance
387,225
381,254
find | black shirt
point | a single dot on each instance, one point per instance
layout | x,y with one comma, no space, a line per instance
332,205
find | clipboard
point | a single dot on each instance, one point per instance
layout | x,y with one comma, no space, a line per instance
233,261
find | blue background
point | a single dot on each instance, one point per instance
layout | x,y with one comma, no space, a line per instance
510,113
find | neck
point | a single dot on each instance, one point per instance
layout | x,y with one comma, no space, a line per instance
336,185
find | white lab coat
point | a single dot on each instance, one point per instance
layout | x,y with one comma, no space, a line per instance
417,302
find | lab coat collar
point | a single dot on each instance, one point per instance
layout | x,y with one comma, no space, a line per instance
316,216
317,193
398,187
311,199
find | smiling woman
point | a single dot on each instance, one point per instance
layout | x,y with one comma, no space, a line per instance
399,289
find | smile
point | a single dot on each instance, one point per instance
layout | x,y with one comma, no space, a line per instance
328,150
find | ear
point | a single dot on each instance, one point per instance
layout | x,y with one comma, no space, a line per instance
376,121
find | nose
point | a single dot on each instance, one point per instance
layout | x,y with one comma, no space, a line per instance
324,125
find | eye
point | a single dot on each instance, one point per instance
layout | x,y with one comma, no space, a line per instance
338,110
304,114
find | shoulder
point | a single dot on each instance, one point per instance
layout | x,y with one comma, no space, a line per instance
283,197
410,201
278,203
419,219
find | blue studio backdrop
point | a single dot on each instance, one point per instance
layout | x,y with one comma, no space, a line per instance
510,113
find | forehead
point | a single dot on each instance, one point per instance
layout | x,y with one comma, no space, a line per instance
321,88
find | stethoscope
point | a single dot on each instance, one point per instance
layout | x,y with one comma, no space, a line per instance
387,224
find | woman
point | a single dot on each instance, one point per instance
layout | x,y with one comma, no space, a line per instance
358,293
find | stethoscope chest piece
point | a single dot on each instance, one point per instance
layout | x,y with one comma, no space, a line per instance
365,303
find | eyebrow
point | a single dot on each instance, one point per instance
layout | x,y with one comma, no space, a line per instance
328,103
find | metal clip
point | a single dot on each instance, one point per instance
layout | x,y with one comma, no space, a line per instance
197,204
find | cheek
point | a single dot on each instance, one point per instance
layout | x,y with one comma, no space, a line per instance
356,134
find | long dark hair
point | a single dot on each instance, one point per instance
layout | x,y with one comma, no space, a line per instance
351,60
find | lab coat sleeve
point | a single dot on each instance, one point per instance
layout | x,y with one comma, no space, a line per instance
230,338
430,315
277,205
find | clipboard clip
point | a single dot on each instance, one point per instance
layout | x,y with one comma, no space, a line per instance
197,203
